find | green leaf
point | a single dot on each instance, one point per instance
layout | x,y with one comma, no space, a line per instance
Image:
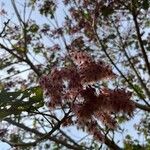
7,97
38,97
86,15
121,119
139,89
34,28
144,42
106,11
145,4
128,137
111,36
147,23
17,102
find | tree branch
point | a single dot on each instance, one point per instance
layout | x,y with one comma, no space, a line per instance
10,51
46,136
8,77
111,144
23,24
17,13
68,137
131,64
140,40
110,59
142,107
28,61
4,28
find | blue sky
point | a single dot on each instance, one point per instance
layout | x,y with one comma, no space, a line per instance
128,125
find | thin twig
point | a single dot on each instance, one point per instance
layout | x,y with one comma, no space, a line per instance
15,74
132,65
140,40
4,28
17,13
110,59
63,142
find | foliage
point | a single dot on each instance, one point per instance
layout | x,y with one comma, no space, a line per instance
74,63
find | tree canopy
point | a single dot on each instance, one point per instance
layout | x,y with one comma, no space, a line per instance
74,73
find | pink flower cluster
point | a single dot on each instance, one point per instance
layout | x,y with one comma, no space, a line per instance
72,85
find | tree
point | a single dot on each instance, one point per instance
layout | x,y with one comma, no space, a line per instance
78,63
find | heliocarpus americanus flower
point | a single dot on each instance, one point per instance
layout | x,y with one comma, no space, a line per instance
74,86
